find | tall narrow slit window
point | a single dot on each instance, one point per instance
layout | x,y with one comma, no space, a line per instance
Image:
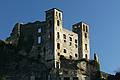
64,36
70,57
85,35
59,15
83,27
70,38
85,46
86,29
58,35
39,39
58,45
65,51
39,30
75,55
58,23
75,40
86,56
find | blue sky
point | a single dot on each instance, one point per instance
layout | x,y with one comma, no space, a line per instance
103,16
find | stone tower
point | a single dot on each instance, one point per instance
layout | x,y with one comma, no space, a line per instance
54,19
82,29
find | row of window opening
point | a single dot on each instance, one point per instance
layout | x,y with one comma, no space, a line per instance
64,36
58,15
85,28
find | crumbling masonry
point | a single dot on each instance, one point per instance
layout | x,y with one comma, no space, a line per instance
47,51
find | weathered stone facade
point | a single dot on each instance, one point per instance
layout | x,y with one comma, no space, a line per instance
47,51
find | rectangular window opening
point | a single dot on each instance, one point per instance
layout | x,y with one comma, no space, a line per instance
58,45
58,23
65,51
59,15
86,29
83,27
58,35
39,40
85,46
39,30
64,36
70,38
75,40
85,35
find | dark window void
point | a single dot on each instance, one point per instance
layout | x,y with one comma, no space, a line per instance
85,35
76,45
56,13
70,38
65,51
58,35
83,27
70,57
85,46
75,55
86,56
65,41
58,23
58,54
64,36
86,29
75,40
59,15
58,45
66,78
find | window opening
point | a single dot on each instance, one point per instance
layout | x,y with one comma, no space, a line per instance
58,35
64,36
58,46
39,30
39,40
70,38
85,46
58,23
65,51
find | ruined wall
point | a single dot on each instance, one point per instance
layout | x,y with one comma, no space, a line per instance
82,29
70,44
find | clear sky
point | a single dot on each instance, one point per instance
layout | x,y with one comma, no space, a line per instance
103,16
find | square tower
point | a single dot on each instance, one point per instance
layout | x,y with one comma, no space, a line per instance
82,29
54,21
